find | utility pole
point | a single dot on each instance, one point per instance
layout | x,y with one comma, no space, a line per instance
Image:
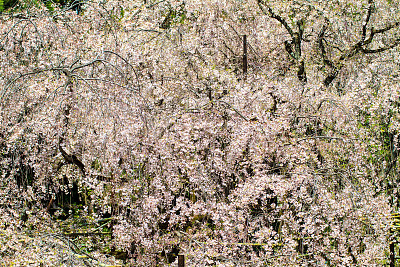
244,54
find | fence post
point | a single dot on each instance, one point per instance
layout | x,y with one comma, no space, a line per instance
181,260
392,258
244,54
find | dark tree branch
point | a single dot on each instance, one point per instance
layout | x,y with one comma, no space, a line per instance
367,19
299,36
71,159
292,47
359,47
266,9
379,50
289,49
301,73
387,28
296,36
321,46
334,70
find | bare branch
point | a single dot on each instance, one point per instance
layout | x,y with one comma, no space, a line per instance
266,9
334,71
321,46
126,61
359,47
387,28
292,47
234,109
71,159
367,19
372,51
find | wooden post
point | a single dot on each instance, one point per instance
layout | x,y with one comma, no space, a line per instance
392,258
181,260
244,54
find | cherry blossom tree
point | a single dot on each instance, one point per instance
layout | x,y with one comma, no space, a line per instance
136,118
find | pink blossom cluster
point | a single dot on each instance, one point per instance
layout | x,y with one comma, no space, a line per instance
142,109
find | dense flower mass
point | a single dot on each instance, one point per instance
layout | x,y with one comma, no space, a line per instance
134,131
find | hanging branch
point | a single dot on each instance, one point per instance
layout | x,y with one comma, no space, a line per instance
69,159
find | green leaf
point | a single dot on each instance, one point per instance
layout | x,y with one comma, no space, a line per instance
122,13
48,5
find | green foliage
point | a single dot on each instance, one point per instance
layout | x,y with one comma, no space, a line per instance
121,13
7,4
380,125
96,164
174,16
49,6
14,5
